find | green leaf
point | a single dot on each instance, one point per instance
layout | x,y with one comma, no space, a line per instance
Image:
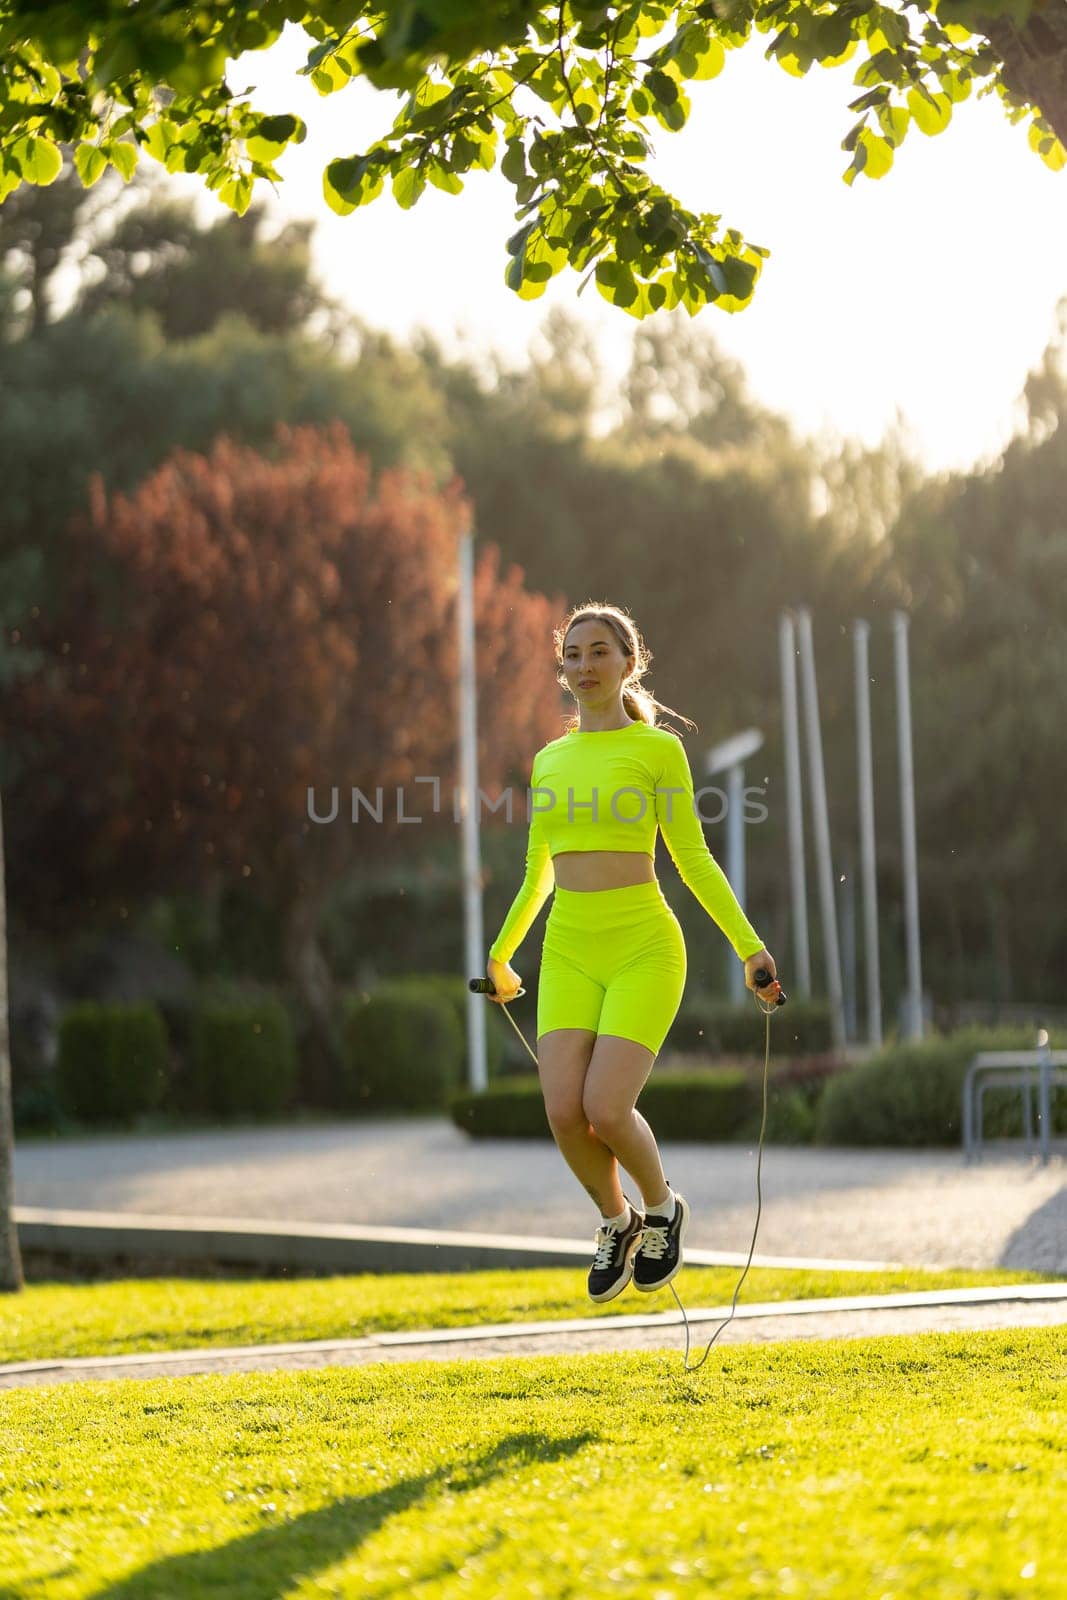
517,243
1048,147
464,152
123,157
662,87
856,166
283,129
513,165
714,270
91,164
616,283
201,68
351,181
39,160
879,154
932,112
791,63
426,105
711,57
408,184
176,159
833,35
237,193
956,86
442,178
160,138
330,76
894,123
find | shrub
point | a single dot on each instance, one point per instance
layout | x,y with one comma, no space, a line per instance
403,1047
36,1106
514,1108
809,1075
705,1106
243,1058
790,1117
802,1027
909,1094
113,1061
454,990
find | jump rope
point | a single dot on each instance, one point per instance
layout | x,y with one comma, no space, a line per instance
762,978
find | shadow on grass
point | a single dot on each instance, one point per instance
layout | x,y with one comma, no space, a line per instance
262,1565
1037,1245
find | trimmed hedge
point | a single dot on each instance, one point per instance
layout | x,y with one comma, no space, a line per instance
454,990
402,1047
113,1061
790,1116
699,1106
243,1058
511,1109
909,1094
801,1028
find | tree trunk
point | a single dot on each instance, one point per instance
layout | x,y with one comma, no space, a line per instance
1035,60
10,1258
310,974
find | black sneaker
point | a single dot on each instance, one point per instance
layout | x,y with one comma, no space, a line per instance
613,1264
659,1258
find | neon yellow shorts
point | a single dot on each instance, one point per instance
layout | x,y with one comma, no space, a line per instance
613,961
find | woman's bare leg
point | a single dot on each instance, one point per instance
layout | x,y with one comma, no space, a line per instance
563,1057
618,1069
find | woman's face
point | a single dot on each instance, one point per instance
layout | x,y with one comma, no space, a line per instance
594,663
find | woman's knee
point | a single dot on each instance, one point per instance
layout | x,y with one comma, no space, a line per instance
566,1116
563,1060
606,1117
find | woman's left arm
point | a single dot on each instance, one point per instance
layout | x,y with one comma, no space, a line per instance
697,867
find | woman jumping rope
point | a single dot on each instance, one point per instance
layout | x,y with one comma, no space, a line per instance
613,962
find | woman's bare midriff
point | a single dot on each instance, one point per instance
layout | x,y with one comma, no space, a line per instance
602,869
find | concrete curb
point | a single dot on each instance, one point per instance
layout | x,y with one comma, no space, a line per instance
1048,1300
336,1247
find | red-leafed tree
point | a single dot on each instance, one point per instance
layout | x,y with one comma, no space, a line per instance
245,628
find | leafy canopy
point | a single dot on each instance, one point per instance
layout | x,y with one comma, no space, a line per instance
563,97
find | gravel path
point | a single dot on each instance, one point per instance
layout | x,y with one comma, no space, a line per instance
921,1206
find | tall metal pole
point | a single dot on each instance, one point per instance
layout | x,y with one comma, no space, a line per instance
821,818
846,902
907,825
860,634
800,966
477,1073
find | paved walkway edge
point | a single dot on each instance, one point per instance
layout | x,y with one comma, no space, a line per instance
338,1247
1003,1294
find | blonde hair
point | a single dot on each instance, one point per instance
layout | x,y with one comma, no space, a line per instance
639,703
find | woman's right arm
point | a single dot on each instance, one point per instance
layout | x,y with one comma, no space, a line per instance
537,885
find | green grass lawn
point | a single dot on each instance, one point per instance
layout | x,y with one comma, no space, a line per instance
49,1320
901,1466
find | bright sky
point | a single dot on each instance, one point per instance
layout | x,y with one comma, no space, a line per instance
930,292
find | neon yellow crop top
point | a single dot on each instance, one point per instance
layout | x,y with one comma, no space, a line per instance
611,790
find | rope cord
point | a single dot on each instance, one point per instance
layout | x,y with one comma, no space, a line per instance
768,1011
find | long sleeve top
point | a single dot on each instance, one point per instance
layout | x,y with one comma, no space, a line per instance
612,790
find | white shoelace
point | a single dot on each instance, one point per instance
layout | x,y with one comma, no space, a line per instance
606,1238
654,1243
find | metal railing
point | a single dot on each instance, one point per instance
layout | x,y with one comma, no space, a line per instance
1023,1070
